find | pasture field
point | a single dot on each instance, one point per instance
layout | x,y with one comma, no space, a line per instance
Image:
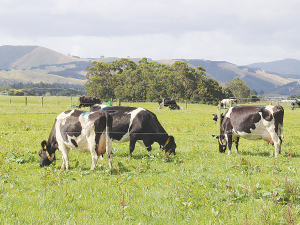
198,185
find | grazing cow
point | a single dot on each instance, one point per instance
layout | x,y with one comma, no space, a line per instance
137,125
226,102
78,130
295,104
88,101
171,103
252,122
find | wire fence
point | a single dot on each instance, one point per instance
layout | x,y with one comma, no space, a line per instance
74,100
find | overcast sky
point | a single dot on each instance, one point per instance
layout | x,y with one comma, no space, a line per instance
236,31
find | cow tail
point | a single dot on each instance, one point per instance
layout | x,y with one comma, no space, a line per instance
108,138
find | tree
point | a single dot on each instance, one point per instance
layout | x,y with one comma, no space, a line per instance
239,89
126,80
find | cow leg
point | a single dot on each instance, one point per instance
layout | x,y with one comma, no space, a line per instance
277,143
65,159
237,145
229,141
94,158
109,153
131,147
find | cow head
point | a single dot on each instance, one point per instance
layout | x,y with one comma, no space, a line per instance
222,142
46,158
215,117
170,145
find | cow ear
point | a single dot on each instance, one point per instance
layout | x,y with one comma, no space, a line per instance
215,136
44,145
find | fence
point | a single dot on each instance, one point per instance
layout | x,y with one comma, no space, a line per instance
73,101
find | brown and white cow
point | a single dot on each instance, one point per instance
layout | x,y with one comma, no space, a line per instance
82,131
252,122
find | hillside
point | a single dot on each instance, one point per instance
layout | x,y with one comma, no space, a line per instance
255,78
287,67
35,64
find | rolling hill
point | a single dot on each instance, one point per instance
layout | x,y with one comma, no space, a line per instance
36,64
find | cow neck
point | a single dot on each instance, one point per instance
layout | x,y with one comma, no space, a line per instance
164,141
51,158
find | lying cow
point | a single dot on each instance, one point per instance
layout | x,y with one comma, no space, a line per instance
295,104
171,103
252,122
78,130
88,101
137,125
228,102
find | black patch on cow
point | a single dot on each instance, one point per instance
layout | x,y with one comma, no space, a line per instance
95,115
278,113
72,127
266,114
74,143
67,112
77,113
243,119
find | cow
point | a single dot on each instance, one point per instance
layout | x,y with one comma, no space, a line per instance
88,101
228,102
137,125
295,104
171,103
82,131
251,122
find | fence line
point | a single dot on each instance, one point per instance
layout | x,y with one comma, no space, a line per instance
181,133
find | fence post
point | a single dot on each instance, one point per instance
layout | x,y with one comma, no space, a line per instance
25,100
42,101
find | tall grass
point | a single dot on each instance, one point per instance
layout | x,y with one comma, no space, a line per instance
197,186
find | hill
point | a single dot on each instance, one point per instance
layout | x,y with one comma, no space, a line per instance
35,64
286,67
255,78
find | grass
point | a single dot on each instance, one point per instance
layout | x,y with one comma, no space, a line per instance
197,186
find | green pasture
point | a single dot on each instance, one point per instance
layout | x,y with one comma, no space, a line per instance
197,186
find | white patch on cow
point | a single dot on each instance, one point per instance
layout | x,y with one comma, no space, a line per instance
85,141
133,114
228,113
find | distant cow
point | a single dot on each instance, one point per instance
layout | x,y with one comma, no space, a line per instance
252,122
226,102
295,104
88,101
137,125
82,131
171,103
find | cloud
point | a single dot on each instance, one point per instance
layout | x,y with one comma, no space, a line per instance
241,32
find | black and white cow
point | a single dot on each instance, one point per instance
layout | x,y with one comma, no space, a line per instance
82,131
252,122
295,104
228,102
171,103
137,125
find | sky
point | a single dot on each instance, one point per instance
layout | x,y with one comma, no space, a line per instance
237,31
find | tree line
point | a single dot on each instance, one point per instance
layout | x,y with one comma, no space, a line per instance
125,80
40,89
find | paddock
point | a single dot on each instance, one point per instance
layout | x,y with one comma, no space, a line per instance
197,185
